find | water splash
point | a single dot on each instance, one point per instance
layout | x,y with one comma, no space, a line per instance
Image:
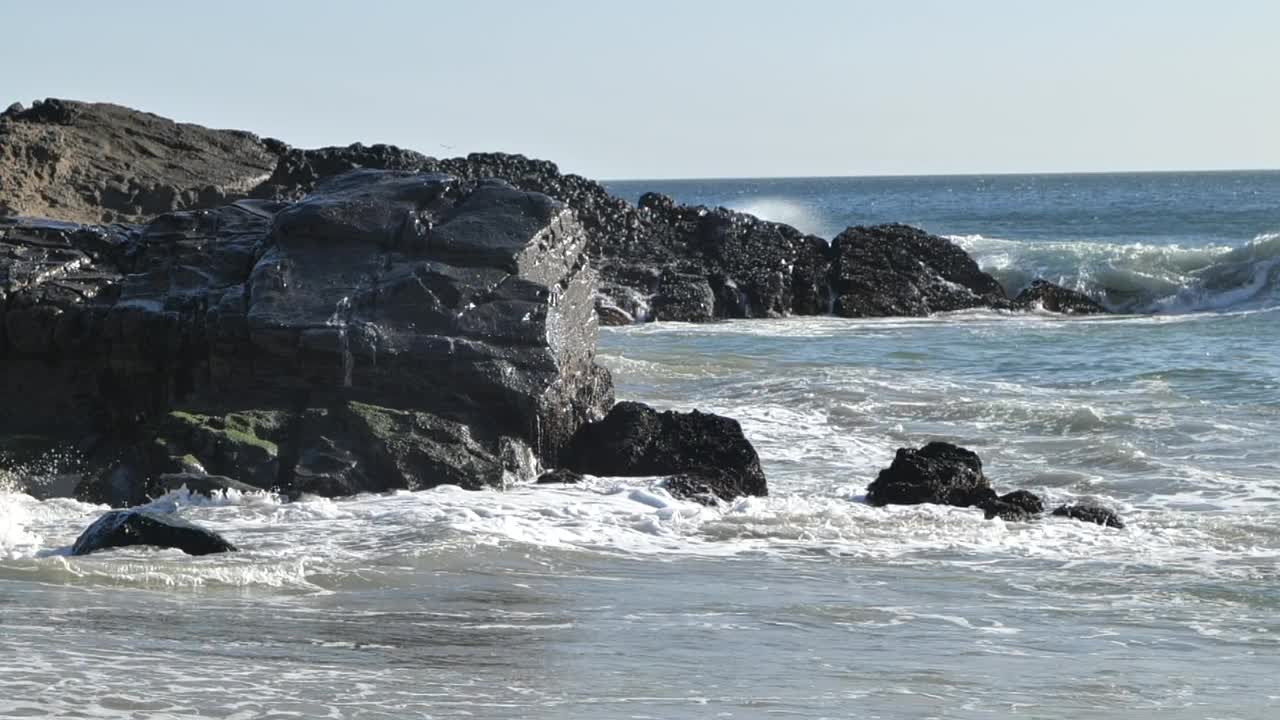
341,319
802,217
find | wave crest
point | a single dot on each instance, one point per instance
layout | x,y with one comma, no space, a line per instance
1140,278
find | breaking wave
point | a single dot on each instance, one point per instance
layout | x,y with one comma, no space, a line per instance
1141,278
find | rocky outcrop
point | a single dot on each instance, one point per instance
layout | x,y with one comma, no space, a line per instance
939,473
122,528
101,163
898,270
708,453
1044,295
946,474
391,330
657,260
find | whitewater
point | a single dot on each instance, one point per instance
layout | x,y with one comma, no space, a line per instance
614,600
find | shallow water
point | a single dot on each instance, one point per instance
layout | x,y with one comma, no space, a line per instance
612,600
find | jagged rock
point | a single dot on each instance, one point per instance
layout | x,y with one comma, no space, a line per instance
939,473
560,476
298,172
898,270
51,164
1016,506
216,332
636,440
1045,295
121,528
1091,513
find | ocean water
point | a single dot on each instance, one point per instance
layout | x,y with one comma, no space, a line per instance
613,600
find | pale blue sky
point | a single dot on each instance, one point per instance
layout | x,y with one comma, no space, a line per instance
656,88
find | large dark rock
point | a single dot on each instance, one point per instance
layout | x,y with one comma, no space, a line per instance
1044,295
898,270
391,330
1091,513
86,162
636,440
121,528
939,473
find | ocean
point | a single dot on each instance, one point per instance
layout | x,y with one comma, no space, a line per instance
614,600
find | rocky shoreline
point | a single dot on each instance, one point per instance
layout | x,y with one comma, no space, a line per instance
186,306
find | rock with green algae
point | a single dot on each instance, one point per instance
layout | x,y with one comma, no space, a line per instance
341,449
242,445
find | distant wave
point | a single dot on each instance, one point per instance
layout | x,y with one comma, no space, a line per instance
1138,277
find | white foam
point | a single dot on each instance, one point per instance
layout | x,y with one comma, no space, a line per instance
1140,277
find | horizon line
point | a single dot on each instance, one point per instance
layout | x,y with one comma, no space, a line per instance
1010,173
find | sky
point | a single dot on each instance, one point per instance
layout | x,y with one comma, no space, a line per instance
695,88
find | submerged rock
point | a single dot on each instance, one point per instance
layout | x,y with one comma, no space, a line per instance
1091,513
1047,296
636,440
199,484
121,528
1016,506
939,473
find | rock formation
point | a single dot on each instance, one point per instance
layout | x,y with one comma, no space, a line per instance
945,474
897,270
101,163
706,453
391,330
122,528
658,260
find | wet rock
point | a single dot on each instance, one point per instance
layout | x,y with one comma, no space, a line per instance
898,270
1090,513
242,445
560,476
199,483
706,486
684,297
636,440
1016,506
610,314
122,528
212,338
1045,295
939,473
